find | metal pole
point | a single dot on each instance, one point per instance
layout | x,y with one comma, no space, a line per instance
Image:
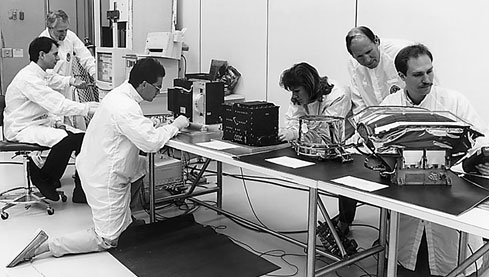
337,239
151,176
392,250
383,242
462,247
474,257
219,184
254,225
311,232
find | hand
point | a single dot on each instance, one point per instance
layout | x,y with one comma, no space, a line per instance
483,169
92,107
180,122
286,135
58,124
78,83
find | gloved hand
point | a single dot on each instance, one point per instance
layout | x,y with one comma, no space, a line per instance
483,168
286,134
77,83
92,107
180,122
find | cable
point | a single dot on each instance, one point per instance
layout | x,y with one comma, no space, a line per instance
185,63
249,201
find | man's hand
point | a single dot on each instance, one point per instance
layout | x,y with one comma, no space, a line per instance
92,107
286,134
78,83
181,122
483,169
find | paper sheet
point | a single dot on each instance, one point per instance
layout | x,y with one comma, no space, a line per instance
217,144
289,162
359,183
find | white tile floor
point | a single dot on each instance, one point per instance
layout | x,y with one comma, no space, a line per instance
278,208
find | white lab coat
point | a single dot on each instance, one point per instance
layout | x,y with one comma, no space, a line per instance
67,49
442,241
370,86
109,159
337,103
30,106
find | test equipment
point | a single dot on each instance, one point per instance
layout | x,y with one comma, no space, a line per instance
414,146
322,137
253,123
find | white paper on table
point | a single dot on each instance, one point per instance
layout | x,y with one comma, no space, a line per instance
359,183
289,162
217,144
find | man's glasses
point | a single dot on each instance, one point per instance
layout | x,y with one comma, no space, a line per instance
156,87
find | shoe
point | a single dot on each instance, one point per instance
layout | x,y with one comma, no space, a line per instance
29,251
57,184
46,188
78,193
136,222
79,196
342,227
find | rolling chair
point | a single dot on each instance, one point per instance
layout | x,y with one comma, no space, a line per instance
28,197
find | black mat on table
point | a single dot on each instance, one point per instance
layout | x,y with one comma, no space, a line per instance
181,247
456,199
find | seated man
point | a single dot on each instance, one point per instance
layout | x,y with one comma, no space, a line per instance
28,117
316,95
414,64
109,163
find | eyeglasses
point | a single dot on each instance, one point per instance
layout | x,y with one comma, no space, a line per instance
156,87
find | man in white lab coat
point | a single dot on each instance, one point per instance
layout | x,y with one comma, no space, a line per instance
29,117
371,67
109,163
414,64
70,46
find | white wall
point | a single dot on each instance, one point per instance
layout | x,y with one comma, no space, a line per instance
311,31
454,31
236,31
262,38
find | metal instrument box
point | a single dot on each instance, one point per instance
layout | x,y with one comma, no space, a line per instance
253,123
199,100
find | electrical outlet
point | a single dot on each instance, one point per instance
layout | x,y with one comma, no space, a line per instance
7,53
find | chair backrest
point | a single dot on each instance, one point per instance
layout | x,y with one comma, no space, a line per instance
2,107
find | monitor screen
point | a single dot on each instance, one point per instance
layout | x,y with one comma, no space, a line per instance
104,67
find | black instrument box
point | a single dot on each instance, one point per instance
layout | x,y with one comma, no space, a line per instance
253,123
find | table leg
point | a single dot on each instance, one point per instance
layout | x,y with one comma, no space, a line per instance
219,184
382,241
462,247
151,177
392,249
311,232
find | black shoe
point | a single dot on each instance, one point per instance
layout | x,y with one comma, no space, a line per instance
46,188
78,193
342,227
79,196
57,184
136,222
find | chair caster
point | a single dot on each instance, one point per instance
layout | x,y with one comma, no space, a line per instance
63,197
50,211
4,215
